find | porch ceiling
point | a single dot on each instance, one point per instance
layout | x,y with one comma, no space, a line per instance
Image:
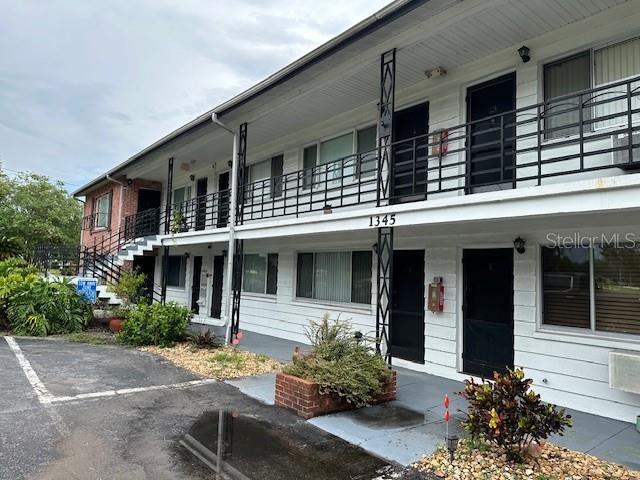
447,33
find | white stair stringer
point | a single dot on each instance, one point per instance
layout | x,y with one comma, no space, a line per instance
137,247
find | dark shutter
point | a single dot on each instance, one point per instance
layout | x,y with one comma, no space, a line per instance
277,163
272,273
304,284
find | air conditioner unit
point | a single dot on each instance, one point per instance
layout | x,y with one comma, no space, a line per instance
624,371
621,157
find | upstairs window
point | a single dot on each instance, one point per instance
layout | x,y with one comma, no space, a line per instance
260,273
272,170
102,211
583,71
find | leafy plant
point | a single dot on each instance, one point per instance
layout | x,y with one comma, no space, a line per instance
156,324
131,287
38,307
340,363
9,247
206,340
505,412
178,222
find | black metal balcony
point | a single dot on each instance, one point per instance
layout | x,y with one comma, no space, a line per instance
201,213
578,136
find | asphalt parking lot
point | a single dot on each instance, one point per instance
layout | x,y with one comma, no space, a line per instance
77,411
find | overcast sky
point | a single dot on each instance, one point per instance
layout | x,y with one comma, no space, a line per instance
86,84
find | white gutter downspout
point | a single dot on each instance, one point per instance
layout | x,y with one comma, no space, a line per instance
122,189
232,222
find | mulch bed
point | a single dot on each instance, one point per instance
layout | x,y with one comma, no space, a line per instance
554,463
218,363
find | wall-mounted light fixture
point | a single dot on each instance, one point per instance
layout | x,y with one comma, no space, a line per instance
374,247
519,244
192,177
436,72
525,53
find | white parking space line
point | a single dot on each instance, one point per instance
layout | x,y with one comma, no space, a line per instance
128,391
47,399
43,394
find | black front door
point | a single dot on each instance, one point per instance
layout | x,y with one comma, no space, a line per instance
195,284
147,219
201,203
146,264
409,171
487,311
216,298
223,200
491,134
407,316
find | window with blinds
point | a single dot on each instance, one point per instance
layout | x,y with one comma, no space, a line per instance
260,273
562,78
612,64
596,288
335,276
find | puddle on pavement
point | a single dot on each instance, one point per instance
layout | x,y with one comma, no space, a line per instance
236,446
388,416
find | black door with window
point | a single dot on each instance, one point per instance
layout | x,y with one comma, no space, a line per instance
195,284
491,134
201,203
409,167
223,200
216,298
487,311
407,316
147,219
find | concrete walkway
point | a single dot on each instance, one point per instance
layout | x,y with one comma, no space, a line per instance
404,430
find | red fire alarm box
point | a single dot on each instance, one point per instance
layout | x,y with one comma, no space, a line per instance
435,302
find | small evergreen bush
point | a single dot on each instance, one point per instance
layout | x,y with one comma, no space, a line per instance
506,413
341,363
131,287
156,324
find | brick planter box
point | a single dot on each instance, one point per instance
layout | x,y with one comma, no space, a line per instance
303,396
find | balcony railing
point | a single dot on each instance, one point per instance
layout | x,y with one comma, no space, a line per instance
562,139
96,220
200,213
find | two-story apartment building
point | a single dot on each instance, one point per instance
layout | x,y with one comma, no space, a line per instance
459,178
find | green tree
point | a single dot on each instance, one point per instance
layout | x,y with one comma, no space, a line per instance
36,210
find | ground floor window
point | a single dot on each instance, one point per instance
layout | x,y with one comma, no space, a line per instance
260,273
176,271
335,276
593,288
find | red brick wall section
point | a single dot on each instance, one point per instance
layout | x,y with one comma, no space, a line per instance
303,396
129,206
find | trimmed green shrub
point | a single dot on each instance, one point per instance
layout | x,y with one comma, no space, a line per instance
506,413
156,324
131,287
37,307
341,363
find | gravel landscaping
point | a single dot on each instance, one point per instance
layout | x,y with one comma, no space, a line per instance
218,363
478,461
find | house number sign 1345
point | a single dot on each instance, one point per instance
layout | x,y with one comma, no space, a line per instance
382,220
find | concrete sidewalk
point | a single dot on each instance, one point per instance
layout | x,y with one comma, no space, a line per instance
404,430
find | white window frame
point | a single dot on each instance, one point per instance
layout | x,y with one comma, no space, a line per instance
599,337
354,305
184,269
266,275
108,195
592,81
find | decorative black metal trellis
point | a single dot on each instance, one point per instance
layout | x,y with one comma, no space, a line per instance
384,297
385,124
242,167
167,213
236,287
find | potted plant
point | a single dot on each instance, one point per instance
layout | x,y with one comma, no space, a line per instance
342,372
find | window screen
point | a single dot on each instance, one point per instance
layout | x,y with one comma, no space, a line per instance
176,271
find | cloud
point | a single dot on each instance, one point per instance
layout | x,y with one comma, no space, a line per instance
84,85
